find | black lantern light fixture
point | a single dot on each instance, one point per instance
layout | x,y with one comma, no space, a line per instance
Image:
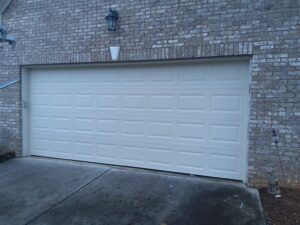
3,33
4,37
112,19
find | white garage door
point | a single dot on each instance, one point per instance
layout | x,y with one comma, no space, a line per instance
189,118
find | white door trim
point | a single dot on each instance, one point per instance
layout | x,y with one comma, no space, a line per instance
25,113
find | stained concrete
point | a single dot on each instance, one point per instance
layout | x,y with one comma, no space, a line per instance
29,187
119,196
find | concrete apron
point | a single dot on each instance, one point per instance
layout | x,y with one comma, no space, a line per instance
43,191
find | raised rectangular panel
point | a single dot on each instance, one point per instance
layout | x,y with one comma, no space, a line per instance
161,74
134,127
62,100
40,144
191,160
132,153
77,77
62,81
226,103
224,163
36,130
227,72
40,133
134,101
61,90
161,102
62,146
62,123
83,100
40,122
107,151
39,78
225,133
108,101
134,76
40,100
160,156
192,102
160,129
84,124
107,125
191,131
192,74
83,149
112,78
86,82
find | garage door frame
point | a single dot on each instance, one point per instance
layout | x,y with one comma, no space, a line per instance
25,73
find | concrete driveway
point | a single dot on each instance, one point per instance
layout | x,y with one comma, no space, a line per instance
43,191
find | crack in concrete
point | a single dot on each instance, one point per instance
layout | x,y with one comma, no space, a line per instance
67,197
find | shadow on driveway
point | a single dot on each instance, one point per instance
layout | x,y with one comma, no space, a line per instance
42,191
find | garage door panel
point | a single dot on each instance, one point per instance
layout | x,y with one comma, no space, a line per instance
40,122
192,74
189,128
134,101
136,90
226,103
84,100
148,141
227,72
42,133
63,146
62,100
191,160
84,124
161,102
133,127
189,118
153,115
132,153
190,131
62,123
193,102
155,78
183,145
107,125
225,133
63,112
161,155
41,143
83,148
224,163
107,151
108,101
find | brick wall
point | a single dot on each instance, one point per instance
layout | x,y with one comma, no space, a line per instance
55,32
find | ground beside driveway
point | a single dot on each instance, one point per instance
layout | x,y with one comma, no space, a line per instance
284,210
44,192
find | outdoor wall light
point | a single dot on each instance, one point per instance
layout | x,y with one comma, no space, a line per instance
3,33
112,19
4,37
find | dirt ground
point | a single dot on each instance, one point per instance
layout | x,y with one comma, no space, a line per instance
6,156
284,210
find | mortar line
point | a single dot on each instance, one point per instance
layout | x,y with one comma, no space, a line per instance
69,196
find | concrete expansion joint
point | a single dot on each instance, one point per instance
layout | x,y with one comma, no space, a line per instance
69,196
